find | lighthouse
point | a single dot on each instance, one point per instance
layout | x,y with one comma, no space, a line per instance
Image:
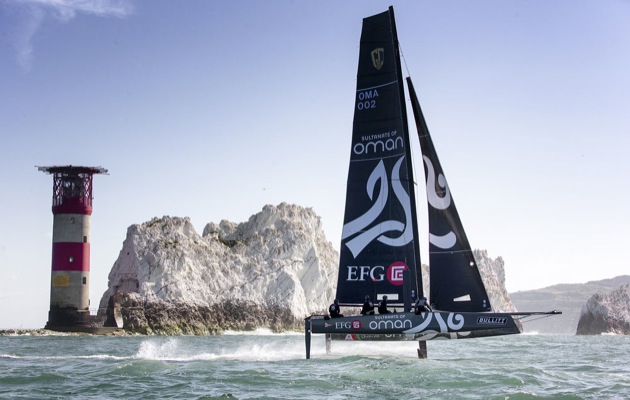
70,275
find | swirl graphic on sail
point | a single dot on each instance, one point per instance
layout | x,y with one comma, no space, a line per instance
377,232
438,202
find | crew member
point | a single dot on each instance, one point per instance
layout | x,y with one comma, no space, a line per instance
368,307
334,310
423,305
382,306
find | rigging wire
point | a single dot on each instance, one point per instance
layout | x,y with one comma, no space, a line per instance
402,57
524,319
418,183
424,288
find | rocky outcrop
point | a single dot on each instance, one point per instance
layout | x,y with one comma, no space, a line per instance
158,316
271,271
608,313
566,297
492,273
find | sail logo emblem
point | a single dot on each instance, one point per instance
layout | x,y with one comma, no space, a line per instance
395,273
378,58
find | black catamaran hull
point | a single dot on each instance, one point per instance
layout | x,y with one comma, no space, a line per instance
456,325
411,326
422,336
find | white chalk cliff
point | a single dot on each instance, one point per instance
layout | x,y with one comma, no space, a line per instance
271,271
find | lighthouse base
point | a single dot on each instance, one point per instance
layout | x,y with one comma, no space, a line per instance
70,319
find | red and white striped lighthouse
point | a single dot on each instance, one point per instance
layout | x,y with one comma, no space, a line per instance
70,278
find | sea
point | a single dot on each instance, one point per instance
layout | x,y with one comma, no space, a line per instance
263,365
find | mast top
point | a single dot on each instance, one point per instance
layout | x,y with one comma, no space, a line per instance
72,169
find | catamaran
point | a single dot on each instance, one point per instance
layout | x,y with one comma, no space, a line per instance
380,249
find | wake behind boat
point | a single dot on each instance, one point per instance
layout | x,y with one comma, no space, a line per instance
380,250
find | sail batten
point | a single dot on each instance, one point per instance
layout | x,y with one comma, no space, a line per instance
394,82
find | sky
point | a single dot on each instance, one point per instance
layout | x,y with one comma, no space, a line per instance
213,109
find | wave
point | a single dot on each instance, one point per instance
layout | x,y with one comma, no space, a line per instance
67,357
251,348
261,332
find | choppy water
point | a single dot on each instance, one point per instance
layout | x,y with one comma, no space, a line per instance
266,366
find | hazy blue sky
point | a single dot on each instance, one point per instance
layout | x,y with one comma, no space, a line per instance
212,109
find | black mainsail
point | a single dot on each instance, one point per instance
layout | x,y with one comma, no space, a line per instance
379,246
380,252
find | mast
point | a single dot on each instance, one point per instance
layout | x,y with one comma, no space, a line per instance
412,182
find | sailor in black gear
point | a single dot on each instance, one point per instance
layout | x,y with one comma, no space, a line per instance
382,306
423,305
368,307
334,310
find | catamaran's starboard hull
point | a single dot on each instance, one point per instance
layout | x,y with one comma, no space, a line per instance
411,326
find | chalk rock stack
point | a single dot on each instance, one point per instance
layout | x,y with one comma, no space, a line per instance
492,273
606,313
270,271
